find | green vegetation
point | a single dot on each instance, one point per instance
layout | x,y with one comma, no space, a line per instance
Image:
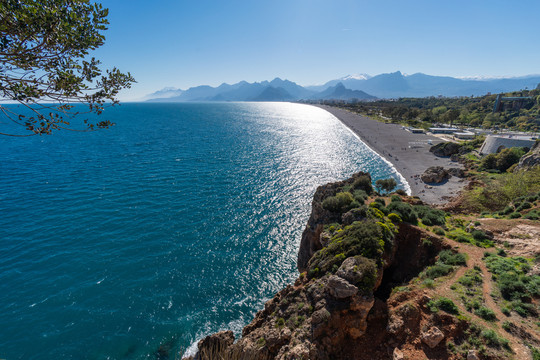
475,237
444,304
467,111
430,216
503,160
404,210
364,240
444,265
385,184
516,285
469,288
44,63
502,190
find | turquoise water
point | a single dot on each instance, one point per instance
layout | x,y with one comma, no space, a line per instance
180,221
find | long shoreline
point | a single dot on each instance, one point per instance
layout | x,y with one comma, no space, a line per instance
407,152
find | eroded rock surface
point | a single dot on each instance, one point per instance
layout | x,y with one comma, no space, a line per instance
435,175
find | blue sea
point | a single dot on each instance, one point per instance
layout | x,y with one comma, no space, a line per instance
182,220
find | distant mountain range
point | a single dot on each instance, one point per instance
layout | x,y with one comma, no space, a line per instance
360,87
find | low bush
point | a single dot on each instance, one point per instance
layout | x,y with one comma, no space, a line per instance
394,218
444,304
449,257
363,182
430,216
404,210
439,231
524,206
486,313
342,202
511,274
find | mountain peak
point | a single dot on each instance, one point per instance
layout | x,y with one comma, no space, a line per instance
356,77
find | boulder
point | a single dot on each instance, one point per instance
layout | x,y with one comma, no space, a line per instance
457,172
445,149
432,337
357,270
340,288
435,175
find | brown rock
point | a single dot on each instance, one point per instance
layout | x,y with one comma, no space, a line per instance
457,172
435,175
353,269
215,344
340,288
320,316
432,337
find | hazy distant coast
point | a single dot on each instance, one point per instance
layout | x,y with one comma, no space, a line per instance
408,152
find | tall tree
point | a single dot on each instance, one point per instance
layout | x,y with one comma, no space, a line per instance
45,66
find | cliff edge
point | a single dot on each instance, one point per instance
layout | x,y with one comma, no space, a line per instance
383,278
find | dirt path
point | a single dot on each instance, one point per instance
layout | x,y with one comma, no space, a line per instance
475,255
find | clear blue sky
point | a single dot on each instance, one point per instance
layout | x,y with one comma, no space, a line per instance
189,43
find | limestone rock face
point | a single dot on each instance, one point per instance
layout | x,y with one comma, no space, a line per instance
340,288
432,337
214,344
435,175
531,159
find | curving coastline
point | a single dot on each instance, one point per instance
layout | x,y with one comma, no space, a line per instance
407,152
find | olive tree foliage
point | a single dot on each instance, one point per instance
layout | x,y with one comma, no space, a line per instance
45,65
385,184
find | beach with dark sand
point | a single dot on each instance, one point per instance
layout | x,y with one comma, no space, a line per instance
407,152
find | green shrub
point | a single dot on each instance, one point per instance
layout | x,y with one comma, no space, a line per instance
493,340
524,206
360,196
395,198
401,192
532,215
444,304
507,210
486,313
439,231
448,257
514,215
379,206
366,238
340,203
438,270
523,309
430,216
363,182
405,211
394,218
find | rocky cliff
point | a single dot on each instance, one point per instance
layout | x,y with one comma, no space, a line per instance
360,293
